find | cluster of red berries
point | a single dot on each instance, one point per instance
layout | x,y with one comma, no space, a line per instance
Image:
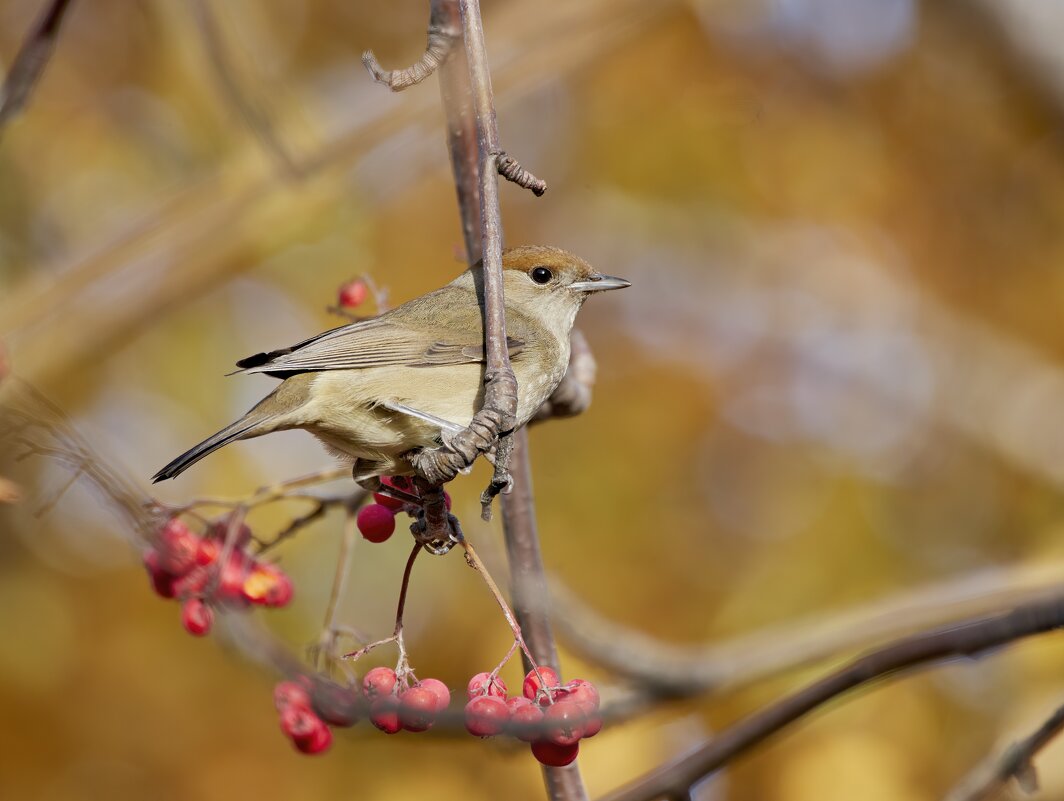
185,566
551,716
376,521
307,708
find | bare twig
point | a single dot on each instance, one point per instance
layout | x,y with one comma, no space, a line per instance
256,119
991,778
31,60
969,638
443,33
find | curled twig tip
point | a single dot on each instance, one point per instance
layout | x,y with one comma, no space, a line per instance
511,169
437,50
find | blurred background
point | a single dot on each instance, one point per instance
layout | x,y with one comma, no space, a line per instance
839,373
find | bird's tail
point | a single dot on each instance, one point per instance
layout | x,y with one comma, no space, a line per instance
241,429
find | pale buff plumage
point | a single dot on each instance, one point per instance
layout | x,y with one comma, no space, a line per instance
360,388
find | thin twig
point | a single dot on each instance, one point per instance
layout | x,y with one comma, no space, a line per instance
511,169
30,61
969,638
990,779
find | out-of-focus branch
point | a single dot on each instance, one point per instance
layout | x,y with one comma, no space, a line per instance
256,119
990,779
968,638
573,394
31,60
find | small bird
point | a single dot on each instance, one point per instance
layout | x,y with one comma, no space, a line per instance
380,388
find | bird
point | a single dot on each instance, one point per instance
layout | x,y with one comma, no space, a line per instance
376,390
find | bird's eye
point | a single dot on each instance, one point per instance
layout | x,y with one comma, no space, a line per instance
541,275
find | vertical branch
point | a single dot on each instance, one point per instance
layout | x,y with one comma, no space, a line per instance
471,174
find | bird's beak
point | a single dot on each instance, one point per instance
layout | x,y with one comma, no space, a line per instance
600,283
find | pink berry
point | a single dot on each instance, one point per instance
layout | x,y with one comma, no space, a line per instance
582,692
388,502
486,716
526,719
484,684
317,742
378,683
290,693
177,548
447,499
439,689
231,582
207,551
564,722
384,714
556,756
533,683
196,617
417,708
352,294
376,522
593,725
267,585
161,581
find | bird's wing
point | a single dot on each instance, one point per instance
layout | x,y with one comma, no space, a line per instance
377,342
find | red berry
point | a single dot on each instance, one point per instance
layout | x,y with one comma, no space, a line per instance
593,725
387,501
290,693
378,683
335,704
318,742
196,617
267,585
486,716
400,482
352,294
447,499
417,708
231,582
533,683
376,522
582,692
177,548
207,551
439,689
564,722
526,719
556,756
161,581
484,684
384,714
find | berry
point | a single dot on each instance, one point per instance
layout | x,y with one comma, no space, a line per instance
207,551
376,522
526,719
267,585
439,689
384,714
447,499
533,683
378,683
335,704
352,294
555,756
234,574
486,716
196,617
388,502
290,693
484,684
161,581
177,548
593,725
307,731
564,722
318,742
417,708
582,692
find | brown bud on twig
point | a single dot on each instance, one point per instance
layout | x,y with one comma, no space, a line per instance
511,169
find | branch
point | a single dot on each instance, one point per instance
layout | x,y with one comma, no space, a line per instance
969,638
991,778
30,61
